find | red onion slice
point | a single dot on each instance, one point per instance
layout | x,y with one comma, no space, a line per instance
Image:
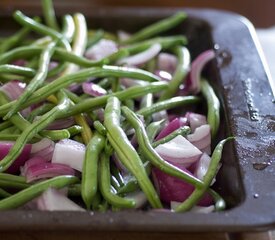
195,120
69,152
167,62
93,89
20,160
196,68
173,189
47,170
101,50
202,166
171,127
54,200
43,148
180,151
201,138
31,162
143,57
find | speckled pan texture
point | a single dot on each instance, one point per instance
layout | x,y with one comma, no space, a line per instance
247,177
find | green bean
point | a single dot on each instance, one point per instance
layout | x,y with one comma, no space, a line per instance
220,204
9,130
89,183
105,185
182,131
165,42
99,34
4,194
33,129
8,137
68,27
213,106
126,152
168,104
40,28
198,193
153,129
178,78
59,54
74,190
74,130
152,155
37,81
22,197
57,70
100,127
49,14
121,53
56,135
82,75
17,70
130,186
13,181
156,28
132,92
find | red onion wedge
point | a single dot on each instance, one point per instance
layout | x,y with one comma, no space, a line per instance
141,58
173,189
201,138
61,123
43,148
167,62
93,89
195,120
69,152
196,69
101,50
171,127
47,170
180,151
54,200
20,160
31,162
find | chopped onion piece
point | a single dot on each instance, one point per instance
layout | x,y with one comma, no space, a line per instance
31,162
195,120
171,127
165,76
142,57
43,148
122,35
202,166
47,170
167,62
201,138
179,150
54,200
101,50
69,152
20,160
61,123
93,89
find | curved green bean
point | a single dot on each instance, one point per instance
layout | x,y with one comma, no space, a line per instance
89,180
49,14
22,197
213,107
17,70
198,193
156,28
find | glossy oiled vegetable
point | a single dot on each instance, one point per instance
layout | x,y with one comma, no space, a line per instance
127,115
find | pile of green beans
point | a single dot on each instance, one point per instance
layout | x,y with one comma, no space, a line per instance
102,185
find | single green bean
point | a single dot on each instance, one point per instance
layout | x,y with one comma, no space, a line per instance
40,28
13,181
220,204
74,190
5,125
68,27
17,70
24,196
178,78
100,127
74,130
105,185
198,193
156,28
213,106
153,129
130,186
49,14
33,129
125,151
89,183
37,81
40,110
182,131
168,104
81,76
152,155
165,42
8,137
